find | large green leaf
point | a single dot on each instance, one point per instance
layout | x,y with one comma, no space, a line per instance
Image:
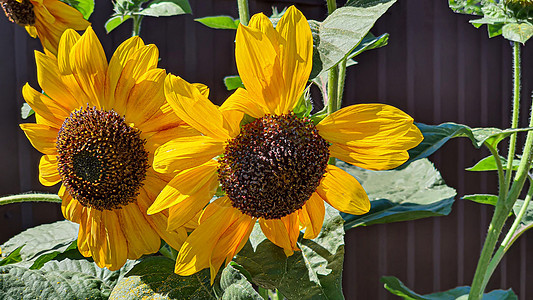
235,285
315,272
154,278
415,192
338,35
219,22
68,279
482,198
42,240
85,7
396,287
435,136
166,8
518,32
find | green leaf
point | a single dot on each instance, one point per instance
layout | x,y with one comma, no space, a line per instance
154,278
518,32
338,35
166,8
114,22
435,136
396,287
41,240
527,220
469,7
68,279
305,104
370,42
219,22
85,7
489,164
415,192
26,111
482,198
315,272
235,285
13,257
233,82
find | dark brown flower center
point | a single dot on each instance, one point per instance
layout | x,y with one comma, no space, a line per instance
273,166
19,12
101,159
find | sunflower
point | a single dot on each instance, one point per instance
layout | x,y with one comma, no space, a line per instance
46,19
274,169
98,125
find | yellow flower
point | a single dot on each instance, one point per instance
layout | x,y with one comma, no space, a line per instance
98,125
46,19
275,169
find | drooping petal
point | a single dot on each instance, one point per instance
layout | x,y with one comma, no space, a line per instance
197,184
259,67
312,216
42,137
282,232
141,237
222,231
48,174
342,191
295,55
186,152
194,108
107,243
72,210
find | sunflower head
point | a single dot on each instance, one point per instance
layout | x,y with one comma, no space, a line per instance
19,11
520,9
273,166
101,159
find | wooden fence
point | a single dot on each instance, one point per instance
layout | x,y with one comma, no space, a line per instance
437,67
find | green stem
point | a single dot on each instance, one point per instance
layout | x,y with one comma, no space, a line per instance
340,83
516,110
499,165
244,12
30,198
332,6
137,20
503,208
508,240
333,81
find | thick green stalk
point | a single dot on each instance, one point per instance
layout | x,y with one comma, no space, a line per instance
516,110
333,103
501,213
30,198
244,12
508,240
340,83
137,20
332,6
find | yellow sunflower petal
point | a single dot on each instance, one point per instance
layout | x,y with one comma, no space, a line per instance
187,152
141,237
83,236
72,210
32,31
282,232
342,191
375,158
199,184
370,125
240,100
194,108
259,67
49,111
163,135
89,66
68,40
295,55
50,80
146,96
262,23
312,216
204,89
153,184
107,243
48,174
42,137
